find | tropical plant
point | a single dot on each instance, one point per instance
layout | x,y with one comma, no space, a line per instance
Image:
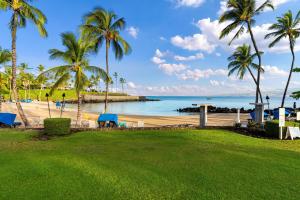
286,27
75,56
241,14
122,82
22,11
242,61
105,26
116,78
5,57
41,80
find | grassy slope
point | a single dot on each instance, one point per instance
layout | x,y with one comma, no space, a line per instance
70,94
148,165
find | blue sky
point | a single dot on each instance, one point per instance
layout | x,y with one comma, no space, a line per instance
174,42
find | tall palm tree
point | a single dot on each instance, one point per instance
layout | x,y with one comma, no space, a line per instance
116,77
241,14
242,61
286,27
76,65
122,82
41,80
5,57
105,26
22,12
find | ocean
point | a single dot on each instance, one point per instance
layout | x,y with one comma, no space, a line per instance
168,105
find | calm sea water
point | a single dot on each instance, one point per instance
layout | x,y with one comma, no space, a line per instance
168,105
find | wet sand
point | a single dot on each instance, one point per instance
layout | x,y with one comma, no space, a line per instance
38,111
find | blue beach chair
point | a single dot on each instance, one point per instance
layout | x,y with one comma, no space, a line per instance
8,120
108,121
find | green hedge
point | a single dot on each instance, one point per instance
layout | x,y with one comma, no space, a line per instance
272,128
57,126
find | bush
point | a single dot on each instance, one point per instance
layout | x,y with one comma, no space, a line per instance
57,126
272,128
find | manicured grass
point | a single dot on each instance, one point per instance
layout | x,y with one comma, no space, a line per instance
207,164
57,95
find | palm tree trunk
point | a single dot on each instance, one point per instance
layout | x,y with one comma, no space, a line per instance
107,82
252,75
290,75
14,71
259,62
79,109
40,94
0,103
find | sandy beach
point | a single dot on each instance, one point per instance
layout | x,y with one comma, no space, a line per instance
38,111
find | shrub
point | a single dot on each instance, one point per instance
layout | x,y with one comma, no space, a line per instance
57,126
272,128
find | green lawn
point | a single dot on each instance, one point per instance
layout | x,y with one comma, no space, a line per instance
57,95
208,164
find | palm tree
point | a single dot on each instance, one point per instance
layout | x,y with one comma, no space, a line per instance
116,77
286,27
105,26
122,82
76,65
8,75
241,14
21,12
242,61
5,56
41,80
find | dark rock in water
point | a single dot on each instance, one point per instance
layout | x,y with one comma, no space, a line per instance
212,109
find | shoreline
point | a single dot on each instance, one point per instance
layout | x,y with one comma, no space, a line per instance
36,112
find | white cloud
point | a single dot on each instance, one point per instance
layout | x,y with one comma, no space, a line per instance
189,58
133,32
131,85
189,3
276,3
197,74
218,54
158,60
275,71
162,38
193,43
211,30
171,69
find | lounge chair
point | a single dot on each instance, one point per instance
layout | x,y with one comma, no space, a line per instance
8,120
108,121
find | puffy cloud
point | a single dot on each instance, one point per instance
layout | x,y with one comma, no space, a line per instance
171,69
197,74
211,30
133,31
276,3
275,71
193,43
189,3
189,58
131,85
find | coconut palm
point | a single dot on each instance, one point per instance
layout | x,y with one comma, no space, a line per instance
41,80
116,77
76,65
22,12
5,57
241,15
122,82
286,27
105,26
241,62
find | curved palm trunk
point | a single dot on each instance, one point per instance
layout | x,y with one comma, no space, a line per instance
78,122
290,75
14,72
259,63
252,75
107,72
